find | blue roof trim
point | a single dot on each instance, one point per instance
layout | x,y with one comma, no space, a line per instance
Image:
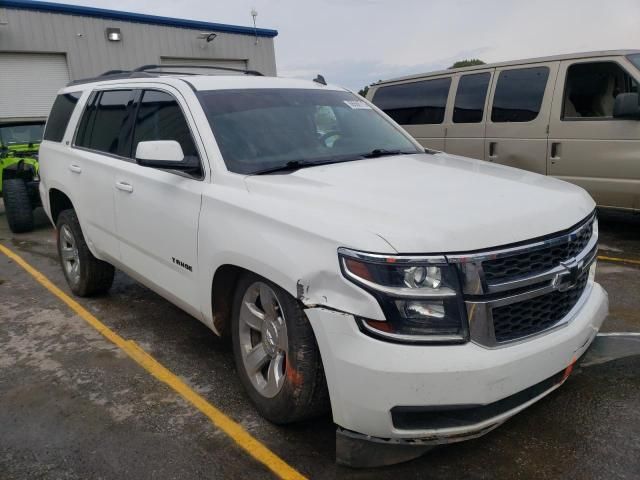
134,17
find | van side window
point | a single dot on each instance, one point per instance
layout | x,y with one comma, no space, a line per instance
103,121
518,95
591,89
470,97
60,114
415,103
160,118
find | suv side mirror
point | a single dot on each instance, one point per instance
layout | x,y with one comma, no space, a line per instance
627,105
164,154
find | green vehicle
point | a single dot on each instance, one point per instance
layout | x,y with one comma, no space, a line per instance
19,144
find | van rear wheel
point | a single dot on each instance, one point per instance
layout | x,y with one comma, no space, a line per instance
85,274
276,354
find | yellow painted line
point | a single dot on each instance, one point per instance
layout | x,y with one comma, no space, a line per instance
234,430
618,260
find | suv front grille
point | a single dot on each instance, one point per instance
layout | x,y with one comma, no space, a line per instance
521,319
523,290
530,263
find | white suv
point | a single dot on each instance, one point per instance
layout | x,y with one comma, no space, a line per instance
429,297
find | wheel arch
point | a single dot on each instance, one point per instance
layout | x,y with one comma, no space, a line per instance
58,202
223,285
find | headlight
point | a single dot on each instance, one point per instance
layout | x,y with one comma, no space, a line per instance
420,296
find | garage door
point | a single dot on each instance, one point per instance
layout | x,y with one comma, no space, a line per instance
240,64
29,83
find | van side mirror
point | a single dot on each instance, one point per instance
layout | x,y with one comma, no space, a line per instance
164,154
627,105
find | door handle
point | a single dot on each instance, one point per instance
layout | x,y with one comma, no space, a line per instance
555,152
75,168
493,151
124,186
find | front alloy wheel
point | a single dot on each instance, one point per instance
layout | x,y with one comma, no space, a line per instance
263,339
276,354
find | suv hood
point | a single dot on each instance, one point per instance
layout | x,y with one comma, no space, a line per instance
428,203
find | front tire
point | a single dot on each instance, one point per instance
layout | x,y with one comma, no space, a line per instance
85,274
17,205
276,354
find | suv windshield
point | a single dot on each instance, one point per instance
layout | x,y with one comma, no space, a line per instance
259,130
21,134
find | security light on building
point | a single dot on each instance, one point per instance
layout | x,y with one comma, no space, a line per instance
39,53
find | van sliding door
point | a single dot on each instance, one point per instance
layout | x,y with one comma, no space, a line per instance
518,121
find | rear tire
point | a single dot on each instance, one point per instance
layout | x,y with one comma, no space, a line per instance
85,274
299,390
17,205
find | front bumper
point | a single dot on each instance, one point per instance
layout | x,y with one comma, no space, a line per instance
368,378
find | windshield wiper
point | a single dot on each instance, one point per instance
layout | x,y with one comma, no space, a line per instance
382,152
292,166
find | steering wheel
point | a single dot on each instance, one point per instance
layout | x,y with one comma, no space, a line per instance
330,134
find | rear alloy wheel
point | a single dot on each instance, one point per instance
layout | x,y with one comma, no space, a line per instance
276,354
85,274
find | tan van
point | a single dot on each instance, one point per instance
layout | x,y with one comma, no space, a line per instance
575,117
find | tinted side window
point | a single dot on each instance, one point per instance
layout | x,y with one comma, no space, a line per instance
470,97
86,121
103,121
519,94
415,103
591,89
60,115
160,118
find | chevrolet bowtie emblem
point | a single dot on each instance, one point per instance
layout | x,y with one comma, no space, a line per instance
568,278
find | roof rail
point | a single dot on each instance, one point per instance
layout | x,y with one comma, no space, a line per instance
143,72
145,68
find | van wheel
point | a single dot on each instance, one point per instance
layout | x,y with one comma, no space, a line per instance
276,353
85,274
17,205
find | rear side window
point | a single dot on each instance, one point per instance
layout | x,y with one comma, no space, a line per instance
415,103
102,125
470,98
160,118
60,115
519,94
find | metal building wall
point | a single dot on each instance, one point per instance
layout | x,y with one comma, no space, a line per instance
88,52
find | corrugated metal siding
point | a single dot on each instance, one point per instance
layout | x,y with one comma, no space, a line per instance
89,53
29,82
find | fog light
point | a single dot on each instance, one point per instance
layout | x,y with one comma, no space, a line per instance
416,309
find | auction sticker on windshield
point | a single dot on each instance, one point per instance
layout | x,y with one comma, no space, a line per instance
357,104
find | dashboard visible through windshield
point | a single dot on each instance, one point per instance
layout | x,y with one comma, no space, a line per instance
19,134
260,130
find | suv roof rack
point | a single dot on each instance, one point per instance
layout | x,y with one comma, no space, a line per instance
147,71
